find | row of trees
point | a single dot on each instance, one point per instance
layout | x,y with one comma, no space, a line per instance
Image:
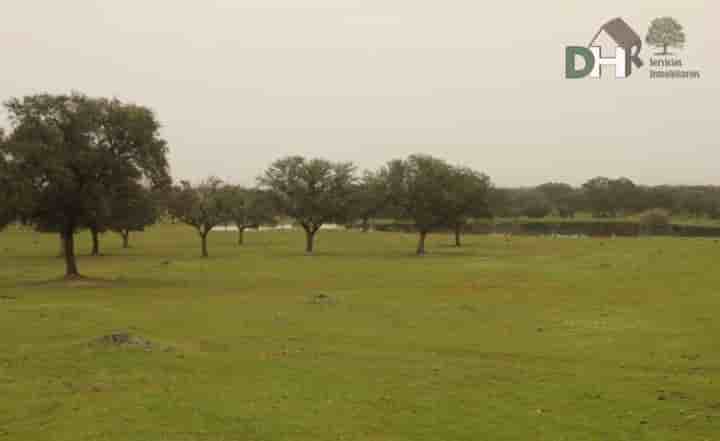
605,198
71,163
315,192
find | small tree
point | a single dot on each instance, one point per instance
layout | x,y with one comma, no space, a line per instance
203,207
469,192
133,208
250,208
665,32
419,187
368,199
311,191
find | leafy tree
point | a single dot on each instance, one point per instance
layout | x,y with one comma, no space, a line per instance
570,204
8,188
563,198
499,200
665,32
696,201
625,195
597,191
610,197
71,150
368,200
655,220
555,191
517,202
468,198
657,197
250,208
311,191
133,208
203,207
535,205
419,187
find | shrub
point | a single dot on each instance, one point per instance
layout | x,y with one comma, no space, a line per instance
655,218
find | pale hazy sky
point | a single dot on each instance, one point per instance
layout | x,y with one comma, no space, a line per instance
239,83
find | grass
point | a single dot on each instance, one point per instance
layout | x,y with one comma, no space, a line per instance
528,339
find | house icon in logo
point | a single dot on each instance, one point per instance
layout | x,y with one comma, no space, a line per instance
615,34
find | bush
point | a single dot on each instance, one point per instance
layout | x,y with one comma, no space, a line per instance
655,218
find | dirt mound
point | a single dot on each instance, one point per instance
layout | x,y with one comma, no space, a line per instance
124,339
322,299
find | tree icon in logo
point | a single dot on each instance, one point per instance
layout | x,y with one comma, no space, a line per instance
665,32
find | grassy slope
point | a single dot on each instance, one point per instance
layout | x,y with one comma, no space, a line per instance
537,338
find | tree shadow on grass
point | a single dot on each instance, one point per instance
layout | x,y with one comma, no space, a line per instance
76,282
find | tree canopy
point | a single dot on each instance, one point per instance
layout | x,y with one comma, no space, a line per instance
133,207
468,198
311,191
420,189
203,207
610,197
250,208
665,32
369,198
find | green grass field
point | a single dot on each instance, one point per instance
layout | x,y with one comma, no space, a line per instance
528,339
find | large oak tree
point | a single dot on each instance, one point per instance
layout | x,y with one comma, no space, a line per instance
70,151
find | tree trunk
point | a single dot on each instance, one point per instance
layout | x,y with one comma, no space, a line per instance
458,232
95,242
62,245
365,225
126,238
241,235
421,244
309,240
203,237
71,270
665,49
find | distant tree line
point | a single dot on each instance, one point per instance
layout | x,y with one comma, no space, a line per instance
72,163
603,197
